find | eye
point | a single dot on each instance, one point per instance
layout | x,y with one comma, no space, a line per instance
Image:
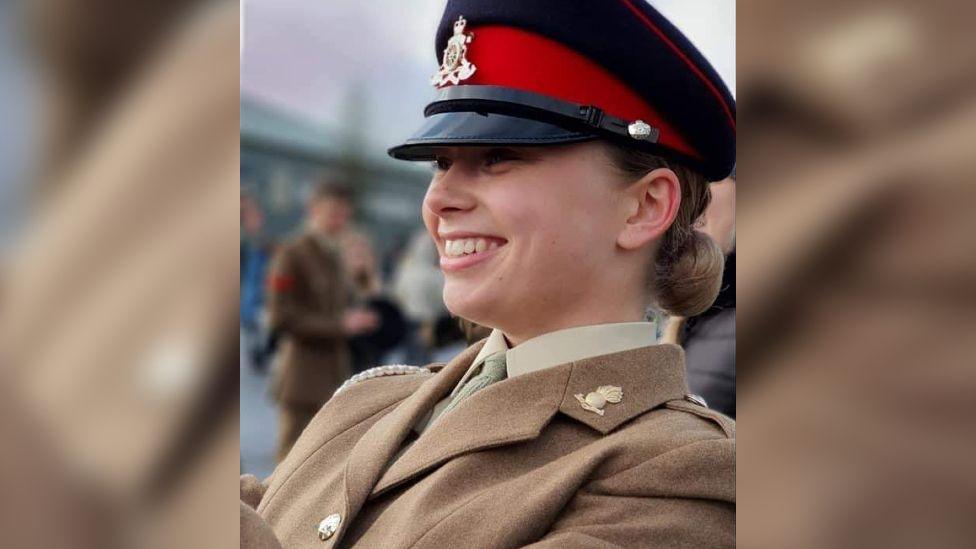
441,164
497,156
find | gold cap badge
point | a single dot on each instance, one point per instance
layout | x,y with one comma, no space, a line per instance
454,65
596,400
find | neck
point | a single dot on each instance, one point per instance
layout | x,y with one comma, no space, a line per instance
617,296
616,293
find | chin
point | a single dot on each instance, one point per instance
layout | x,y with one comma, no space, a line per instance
475,306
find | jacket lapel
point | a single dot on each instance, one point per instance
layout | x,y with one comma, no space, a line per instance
507,412
373,451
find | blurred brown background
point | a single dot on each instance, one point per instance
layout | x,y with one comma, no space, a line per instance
117,303
856,282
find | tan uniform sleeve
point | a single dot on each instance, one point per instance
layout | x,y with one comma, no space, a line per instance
682,498
252,490
289,312
255,532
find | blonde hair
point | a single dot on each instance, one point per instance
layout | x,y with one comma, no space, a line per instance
686,272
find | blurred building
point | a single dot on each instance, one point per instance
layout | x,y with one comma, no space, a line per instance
284,154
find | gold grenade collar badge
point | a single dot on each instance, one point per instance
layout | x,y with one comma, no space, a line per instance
596,400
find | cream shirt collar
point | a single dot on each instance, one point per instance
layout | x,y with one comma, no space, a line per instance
562,346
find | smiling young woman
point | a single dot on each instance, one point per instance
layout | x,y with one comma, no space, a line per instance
566,189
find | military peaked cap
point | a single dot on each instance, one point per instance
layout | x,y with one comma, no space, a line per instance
540,72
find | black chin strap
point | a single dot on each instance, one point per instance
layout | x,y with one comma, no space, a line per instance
511,102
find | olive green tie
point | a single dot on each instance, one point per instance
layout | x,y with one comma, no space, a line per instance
492,371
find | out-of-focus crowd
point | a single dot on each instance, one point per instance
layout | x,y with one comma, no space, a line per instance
400,305
318,307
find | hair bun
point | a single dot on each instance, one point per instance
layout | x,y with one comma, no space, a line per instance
689,283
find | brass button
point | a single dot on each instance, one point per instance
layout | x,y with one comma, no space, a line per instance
329,526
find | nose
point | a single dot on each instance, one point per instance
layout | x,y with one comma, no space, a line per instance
448,195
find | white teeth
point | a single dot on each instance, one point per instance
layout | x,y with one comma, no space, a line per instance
456,248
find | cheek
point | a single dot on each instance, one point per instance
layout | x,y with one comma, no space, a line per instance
553,240
569,240
429,219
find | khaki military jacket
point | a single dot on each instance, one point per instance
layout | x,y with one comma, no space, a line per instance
307,296
520,463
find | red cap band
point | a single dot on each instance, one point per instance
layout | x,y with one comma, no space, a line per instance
515,58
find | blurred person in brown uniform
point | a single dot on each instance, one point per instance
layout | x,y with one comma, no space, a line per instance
558,214
118,357
312,314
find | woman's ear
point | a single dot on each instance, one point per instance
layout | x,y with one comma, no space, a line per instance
652,204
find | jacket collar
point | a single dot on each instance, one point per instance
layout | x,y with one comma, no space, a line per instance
648,377
515,410
563,346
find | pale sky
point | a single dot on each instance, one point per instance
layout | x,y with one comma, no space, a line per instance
311,56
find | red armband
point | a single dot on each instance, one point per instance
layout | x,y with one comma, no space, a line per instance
281,283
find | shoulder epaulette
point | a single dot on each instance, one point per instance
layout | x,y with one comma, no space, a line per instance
695,404
380,371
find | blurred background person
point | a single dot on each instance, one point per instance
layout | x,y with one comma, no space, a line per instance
256,253
418,285
310,311
370,348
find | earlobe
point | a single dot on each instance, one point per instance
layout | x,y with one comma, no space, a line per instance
631,239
